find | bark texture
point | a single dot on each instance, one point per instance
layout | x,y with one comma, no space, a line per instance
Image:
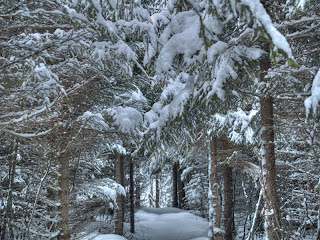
137,187
268,171
228,202
132,196
138,193
180,185
7,227
174,185
318,231
157,191
120,197
63,181
214,197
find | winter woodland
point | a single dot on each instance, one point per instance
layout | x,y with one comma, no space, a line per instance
161,120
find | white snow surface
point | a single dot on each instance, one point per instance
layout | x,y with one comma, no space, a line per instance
108,237
169,224
160,224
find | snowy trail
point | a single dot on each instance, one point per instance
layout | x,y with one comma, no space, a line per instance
169,224
161,224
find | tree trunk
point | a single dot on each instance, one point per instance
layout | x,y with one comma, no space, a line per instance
268,171
215,233
151,199
228,202
120,198
63,181
138,193
174,186
157,191
137,187
255,217
131,196
318,230
9,210
181,192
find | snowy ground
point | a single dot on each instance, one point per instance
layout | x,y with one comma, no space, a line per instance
169,224
162,224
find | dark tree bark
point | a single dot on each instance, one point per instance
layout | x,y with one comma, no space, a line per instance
138,193
228,203
318,230
268,171
7,223
137,187
214,196
132,196
181,192
120,197
174,185
157,191
63,181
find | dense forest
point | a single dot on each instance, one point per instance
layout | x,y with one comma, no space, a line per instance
111,106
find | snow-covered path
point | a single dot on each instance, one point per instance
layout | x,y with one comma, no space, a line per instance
161,224
169,224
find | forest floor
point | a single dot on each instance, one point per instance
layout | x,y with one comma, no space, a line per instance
162,224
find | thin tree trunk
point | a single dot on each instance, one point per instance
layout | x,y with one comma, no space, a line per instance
151,199
43,179
228,202
63,181
12,170
318,230
255,218
268,171
215,232
174,185
181,192
157,191
131,196
120,198
138,192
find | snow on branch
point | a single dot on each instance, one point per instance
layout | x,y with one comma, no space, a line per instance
111,192
27,135
106,189
185,40
25,116
94,120
314,100
74,14
48,81
237,123
117,148
177,93
128,119
263,17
